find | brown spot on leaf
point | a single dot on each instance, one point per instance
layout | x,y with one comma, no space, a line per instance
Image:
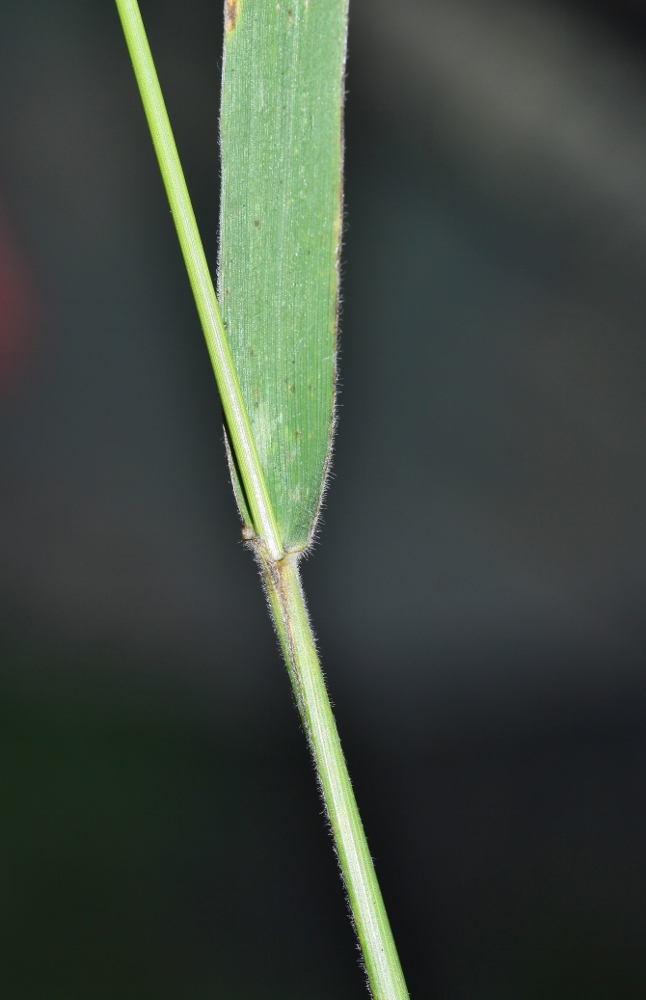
256,222
230,14
298,434
292,388
290,16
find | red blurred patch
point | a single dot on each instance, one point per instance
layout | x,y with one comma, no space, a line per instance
17,309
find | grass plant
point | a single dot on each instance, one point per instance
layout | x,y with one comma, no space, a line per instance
272,343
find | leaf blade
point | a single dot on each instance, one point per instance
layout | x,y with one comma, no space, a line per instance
280,233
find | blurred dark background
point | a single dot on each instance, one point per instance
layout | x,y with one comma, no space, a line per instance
480,585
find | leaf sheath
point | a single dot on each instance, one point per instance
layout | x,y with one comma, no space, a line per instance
287,602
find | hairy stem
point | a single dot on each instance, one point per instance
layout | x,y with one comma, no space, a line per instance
280,572
292,623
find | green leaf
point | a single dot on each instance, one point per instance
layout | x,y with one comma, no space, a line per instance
280,232
292,329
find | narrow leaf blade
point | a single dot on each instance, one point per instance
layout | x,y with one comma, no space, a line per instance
280,232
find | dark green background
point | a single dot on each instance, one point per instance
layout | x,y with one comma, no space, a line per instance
479,590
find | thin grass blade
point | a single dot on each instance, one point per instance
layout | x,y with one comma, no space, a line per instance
281,221
280,231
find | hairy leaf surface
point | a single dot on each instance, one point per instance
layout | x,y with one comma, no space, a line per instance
279,237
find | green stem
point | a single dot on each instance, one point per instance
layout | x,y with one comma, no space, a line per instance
235,413
287,603
280,572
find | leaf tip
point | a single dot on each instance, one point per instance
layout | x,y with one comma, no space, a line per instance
230,15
